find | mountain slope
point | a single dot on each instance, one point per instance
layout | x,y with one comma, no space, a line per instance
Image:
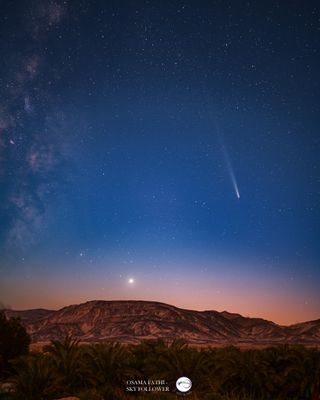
133,321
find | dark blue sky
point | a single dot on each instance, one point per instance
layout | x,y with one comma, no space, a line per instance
173,144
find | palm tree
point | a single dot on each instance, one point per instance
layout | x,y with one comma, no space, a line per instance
241,372
144,356
274,359
67,361
178,360
34,378
108,366
302,373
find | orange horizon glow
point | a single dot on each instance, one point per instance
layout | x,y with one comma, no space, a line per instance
254,294
279,317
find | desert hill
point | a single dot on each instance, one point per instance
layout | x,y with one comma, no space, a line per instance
133,321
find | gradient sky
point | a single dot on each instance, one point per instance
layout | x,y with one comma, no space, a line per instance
162,151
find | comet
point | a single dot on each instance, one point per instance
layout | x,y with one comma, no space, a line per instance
231,172
229,166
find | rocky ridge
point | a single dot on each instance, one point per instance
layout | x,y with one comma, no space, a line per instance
133,321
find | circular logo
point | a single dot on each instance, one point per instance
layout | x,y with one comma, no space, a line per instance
183,384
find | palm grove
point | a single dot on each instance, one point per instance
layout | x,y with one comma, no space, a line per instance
100,371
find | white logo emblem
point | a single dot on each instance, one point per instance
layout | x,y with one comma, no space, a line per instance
183,384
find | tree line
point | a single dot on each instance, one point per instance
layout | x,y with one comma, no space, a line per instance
100,371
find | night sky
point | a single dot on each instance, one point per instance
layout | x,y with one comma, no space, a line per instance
161,150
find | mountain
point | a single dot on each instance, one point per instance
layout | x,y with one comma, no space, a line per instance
27,316
133,321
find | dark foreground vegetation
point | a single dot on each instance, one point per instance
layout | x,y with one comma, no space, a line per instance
101,371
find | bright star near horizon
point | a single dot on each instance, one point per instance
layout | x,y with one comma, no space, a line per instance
131,281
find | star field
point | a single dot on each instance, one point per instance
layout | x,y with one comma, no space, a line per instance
164,151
